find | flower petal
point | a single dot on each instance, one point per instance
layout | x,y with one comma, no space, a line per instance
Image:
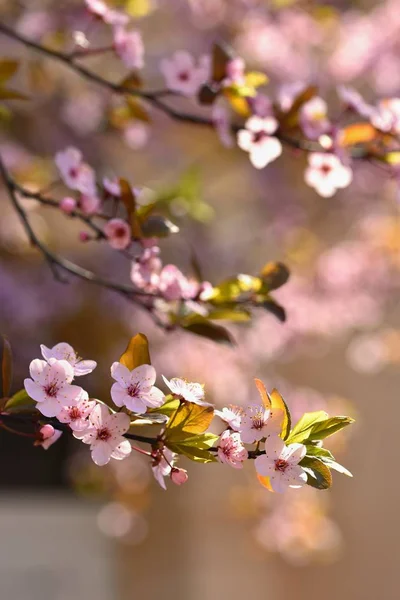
101,453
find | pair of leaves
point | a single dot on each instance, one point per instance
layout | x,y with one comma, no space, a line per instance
274,402
315,426
186,432
327,458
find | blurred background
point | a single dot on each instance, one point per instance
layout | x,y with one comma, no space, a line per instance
69,527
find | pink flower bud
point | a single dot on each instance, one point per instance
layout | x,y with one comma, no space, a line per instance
179,476
84,236
68,205
47,431
46,436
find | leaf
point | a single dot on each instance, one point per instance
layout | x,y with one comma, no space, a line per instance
137,109
274,275
304,425
158,226
357,133
19,401
265,482
278,403
255,79
324,429
205,328
237,315
266,400
6,367
222,54
8,68
332,464
207,94
195,447
318,474
392,158
132,81
235,288
170,405
137,352
6,94
290,118
238,102
274,308
129,201
189,418
319,452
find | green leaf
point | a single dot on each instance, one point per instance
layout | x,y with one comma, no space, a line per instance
301,431
137,110
205,328
328,427
170,405
274,275
6,367
137,352
20,401
189,418
195,447
158,226
237,315
318,474
8,68
235,288
321,453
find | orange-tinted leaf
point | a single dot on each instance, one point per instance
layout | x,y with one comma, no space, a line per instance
274,275
358,133
263,393
137,109
221,56
137,352
265,482
239,104
8,68
129,201
278,403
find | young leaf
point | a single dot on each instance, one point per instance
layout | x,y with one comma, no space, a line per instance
158,226
19,401
189,418
303,427
8,68
129,201
238,315
318,474
265,482
221,56
137,110
6,367
278,403
195,447
273,307
274,275
136,353
266,400
328,427
202,326
170,406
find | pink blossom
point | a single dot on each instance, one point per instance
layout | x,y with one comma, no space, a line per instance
386,117
64,351
288,93
326,173
112,186
129,47
105,435
314,118
175,286
231,450
99,9
182,74
47,436
354,101
89,204
77,416
178,476
135,389
68,205
136,134
232,415
222,124
235,72
259,422
118,233
185,390
145,272
280,464
75,173
50,386
163,465
257,140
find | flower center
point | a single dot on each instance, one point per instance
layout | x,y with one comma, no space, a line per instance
103,434
183,76
120,232
74,413
51,389
281,465
258,136
257,421
133,390
73,172
326,169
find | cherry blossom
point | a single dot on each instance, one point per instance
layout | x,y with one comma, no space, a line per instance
47,436
64,351
118,233
99,9
222,124
77,416
314,118
76,174
136,134
259,422
280,464
179,476
163,465
50,385
135,389
105,435
386,117
232,415
128,45
89,204
175,286
231,450
235,72
185,390
145,272
68,205
354,101
256,139
112,186
182,74
326,173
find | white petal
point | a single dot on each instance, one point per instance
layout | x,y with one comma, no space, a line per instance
264,465
274,446
84,367
145,376
36,369
154,398
294,453
99,416
34,390
49,407
118,423
122,450
119,394
121,373
101,453
245,139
